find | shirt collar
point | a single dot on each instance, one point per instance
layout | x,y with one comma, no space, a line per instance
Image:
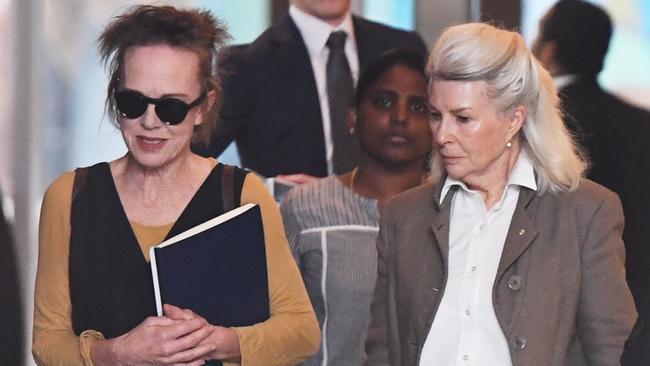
315,32
523,174
561,81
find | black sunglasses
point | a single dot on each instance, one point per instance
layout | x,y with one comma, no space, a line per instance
132,104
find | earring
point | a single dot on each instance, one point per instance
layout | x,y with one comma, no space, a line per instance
351,130
509,145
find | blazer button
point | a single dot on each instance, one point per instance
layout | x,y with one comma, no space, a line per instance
519,343
514,282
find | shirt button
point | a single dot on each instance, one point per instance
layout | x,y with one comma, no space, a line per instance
468,312
465,357
473,268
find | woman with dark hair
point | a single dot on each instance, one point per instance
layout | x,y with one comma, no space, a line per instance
94,301
332,223
509,256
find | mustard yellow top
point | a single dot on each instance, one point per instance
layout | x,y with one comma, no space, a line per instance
290,334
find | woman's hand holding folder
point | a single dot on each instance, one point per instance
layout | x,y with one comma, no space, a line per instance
222,341
173,339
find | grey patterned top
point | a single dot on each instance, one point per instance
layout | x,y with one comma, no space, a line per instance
332,232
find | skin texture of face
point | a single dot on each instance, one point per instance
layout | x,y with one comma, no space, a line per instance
331,11
161,71
470,134
392,121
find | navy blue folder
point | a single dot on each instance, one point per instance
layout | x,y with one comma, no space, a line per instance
217,269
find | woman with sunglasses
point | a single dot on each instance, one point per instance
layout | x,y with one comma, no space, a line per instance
94,298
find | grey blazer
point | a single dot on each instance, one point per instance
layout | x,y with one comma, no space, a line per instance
560,293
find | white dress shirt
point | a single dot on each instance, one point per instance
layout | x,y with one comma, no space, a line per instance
315,33
465,329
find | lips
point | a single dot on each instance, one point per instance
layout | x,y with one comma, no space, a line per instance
397,139
450,159
150,143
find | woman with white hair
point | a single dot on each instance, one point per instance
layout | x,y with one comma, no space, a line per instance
510,256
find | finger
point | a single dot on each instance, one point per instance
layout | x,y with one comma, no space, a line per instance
191,355
290,180
159,321
175,312
193,363
193,339
185,327
198,362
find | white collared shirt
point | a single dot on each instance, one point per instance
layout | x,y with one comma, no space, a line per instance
465,330
315,33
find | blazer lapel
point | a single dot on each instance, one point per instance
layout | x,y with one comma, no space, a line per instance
521,233
432,294
440,222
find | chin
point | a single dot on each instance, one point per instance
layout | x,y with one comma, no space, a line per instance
455,173
149,161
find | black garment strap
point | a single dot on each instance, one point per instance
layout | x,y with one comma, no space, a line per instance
80,176
227,188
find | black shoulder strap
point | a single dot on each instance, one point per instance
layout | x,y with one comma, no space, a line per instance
80,176
227,188
232,182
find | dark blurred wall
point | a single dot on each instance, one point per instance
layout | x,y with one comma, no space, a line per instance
11,327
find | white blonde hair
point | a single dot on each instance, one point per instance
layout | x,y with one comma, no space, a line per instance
478,51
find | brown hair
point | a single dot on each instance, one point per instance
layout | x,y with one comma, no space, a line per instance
144,25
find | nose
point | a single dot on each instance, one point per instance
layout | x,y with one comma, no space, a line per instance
441,133
149,119
400,114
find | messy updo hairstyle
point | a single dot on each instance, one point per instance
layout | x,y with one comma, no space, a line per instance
145,25
482,52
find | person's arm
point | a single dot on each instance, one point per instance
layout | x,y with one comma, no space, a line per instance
11,311
377,340
291,334
54,342
606,313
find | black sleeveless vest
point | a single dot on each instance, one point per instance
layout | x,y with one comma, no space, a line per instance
111,288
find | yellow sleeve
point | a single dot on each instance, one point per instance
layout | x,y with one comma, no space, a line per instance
54,341
292,333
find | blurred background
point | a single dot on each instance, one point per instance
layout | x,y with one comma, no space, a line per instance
53,88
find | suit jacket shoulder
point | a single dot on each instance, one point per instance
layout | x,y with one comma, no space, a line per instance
402,204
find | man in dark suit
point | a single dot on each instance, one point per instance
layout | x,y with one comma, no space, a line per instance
572,44
275,98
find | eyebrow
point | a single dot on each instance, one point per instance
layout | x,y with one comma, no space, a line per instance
462,109
166,95
392,91
457,110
